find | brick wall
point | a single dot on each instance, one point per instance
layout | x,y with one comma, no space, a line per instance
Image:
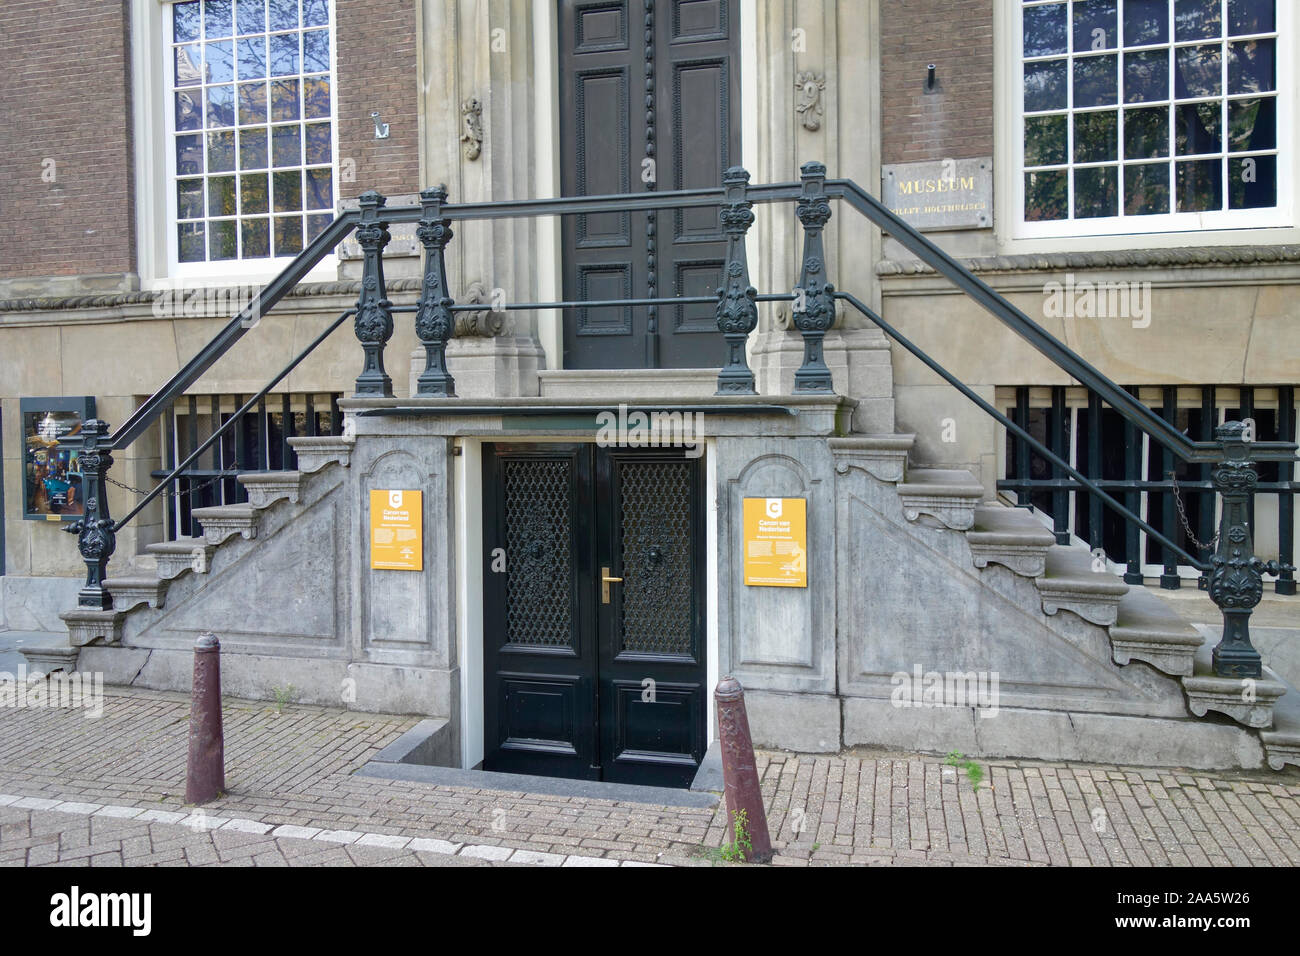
377,71
956,122
65,98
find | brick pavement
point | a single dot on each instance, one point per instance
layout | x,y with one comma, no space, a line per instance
109,791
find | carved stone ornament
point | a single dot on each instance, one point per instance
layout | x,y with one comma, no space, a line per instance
471,127
809,105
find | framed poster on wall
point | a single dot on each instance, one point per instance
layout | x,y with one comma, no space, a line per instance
52,485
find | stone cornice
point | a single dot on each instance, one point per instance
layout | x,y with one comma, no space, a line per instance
1186,257
110,300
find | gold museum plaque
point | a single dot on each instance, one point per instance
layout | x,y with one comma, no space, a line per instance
396,530
776,542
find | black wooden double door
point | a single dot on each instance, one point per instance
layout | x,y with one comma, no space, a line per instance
594,613
650,100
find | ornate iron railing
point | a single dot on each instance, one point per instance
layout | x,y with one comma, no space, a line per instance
1234,572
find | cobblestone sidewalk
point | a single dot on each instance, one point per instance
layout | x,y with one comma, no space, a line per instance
109,791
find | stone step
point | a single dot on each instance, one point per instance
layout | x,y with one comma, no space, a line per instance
1148,629
316,451
88,625
949,496
184,554
882,456
1248,701
654,383
1070,584
1012,537
1282,742
222,521
267,487
136,589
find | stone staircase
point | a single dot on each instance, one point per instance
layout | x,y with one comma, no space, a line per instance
1140,626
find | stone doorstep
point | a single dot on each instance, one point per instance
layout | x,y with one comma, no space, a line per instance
1012,537
1149,630
266,487
223,521
132,591
316,451
1070,584
882,456
91,626
176,557
950,496
647,383
1207,691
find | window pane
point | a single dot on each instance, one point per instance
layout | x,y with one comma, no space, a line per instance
288,191
1095,81
221,239
1198,184
1096,137
218,65
1146,76
1199,128
316,51
1045,196
189,198
1250,66
1045,138
252,103
318,143
316,225
257,238
189,112
253,194
221,105
251,15
221,152
316,98
1045,86
216,18
1145,22
185,21
284,14
1096,192
1094,25
252,149
191,239
1197,19
285,146
1199,71
315,13
221,196
189,155
1146,133
288,235
1250,16
284,100
252,58
188,72
320,189
284,54
1252,182
1146,189
1252,124
1045,30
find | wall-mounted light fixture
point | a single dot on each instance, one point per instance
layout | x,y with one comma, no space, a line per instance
381,129
931,81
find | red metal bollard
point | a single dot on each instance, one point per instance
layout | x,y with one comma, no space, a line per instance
205,773
740,770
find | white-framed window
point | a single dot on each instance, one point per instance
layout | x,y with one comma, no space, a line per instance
1142,116
250,124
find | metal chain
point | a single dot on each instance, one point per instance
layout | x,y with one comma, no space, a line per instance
177,493
1187,528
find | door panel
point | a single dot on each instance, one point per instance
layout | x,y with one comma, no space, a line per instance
586,677
672,97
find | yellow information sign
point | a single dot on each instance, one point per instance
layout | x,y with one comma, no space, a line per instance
776,542
397,530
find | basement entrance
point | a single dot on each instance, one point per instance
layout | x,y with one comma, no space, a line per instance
594,661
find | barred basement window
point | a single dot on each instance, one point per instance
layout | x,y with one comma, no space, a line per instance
1146,115
251,112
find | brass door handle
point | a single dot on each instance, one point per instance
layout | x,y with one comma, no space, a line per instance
605,582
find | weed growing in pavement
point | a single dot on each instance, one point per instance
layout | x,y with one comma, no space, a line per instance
974,772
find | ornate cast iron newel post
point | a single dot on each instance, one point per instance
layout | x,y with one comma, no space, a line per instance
374,321
817,295
433,320
737,314
1236,582
94,530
